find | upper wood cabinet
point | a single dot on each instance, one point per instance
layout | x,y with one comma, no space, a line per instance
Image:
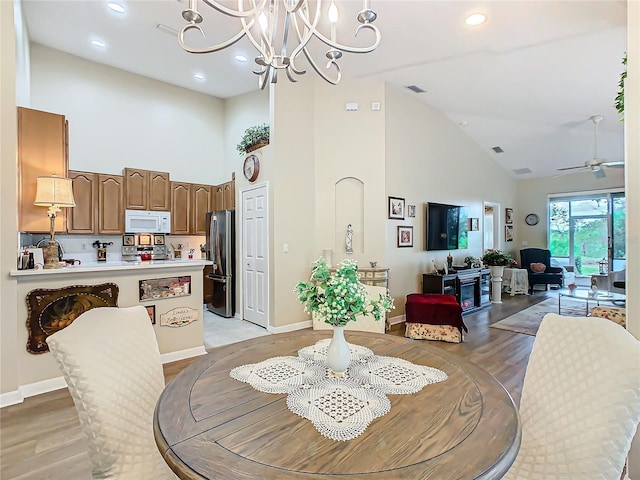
42,151
229,196
110,204
180,208
201,199
99,204
83,218
147,190
217,198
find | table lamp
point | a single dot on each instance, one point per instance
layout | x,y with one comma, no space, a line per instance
53,192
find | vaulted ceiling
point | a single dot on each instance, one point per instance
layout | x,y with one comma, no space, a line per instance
527,80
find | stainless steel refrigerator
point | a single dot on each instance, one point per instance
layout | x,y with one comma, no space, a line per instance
221,250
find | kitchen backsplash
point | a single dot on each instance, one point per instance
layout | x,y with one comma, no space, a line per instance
80,248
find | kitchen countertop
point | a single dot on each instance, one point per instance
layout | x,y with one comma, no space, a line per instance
88,267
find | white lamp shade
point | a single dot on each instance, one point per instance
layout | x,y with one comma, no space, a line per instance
54,191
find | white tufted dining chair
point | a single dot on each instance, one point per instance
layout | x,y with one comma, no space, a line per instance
110,360
580,402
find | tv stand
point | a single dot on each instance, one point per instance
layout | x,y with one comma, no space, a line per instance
470,287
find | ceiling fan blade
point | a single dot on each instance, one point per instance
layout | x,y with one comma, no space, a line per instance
599,173
613,164
581,167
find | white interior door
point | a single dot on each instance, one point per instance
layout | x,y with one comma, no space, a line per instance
491,226
255,255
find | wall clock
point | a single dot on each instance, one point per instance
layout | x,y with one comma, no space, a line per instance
532,219
251,168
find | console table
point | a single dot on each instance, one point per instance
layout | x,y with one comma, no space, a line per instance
470,287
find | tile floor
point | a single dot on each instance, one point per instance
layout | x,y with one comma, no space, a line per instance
220,331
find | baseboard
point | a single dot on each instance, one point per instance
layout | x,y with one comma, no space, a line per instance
397,320
291,327
31,390
51,384
182,354
10,398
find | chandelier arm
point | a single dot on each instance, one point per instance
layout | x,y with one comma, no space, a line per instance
236,13
213,48
303,40
346,48
321,73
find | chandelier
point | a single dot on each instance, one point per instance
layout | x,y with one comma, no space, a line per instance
273,26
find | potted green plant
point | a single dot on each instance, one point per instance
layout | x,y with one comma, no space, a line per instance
495,258
254,137
339,298
620,97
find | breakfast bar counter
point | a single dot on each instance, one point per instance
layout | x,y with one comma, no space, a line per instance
111,266
47,300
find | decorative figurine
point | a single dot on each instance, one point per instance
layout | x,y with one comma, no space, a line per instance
348,246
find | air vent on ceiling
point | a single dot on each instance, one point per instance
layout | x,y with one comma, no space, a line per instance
522,171
415,88
497,149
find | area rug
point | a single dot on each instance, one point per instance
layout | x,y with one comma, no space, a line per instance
527,321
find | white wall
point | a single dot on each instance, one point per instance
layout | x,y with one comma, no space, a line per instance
429,159
240,113
118,119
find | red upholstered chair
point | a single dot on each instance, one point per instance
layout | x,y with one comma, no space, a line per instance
433,316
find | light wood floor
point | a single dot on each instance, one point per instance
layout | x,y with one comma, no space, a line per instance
41,438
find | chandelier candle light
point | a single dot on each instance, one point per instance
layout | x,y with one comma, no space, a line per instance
53,192
273,26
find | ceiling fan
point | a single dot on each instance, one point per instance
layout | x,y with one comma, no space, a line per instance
595,164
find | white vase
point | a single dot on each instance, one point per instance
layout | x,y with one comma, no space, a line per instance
338,354
496,283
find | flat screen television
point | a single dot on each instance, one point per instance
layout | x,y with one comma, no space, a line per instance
443,226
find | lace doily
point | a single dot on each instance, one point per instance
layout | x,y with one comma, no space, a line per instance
279,374
394,375
340,408
318,351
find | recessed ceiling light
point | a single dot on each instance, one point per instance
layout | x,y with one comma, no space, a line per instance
241,58
199,76
116,7
98,43
475,19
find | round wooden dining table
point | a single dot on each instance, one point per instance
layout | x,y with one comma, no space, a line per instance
208,425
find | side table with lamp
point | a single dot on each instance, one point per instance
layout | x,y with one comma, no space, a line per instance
53,192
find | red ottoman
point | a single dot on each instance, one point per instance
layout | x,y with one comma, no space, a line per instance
434,316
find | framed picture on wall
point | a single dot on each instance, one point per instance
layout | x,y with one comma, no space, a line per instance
151,311
405,236
411,211
508,233
396,208
508,216
474,224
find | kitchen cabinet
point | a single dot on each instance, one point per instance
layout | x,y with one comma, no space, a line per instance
110,204
180,208
83,218
218,198
201,199
229,195
42,151
99,204
146,190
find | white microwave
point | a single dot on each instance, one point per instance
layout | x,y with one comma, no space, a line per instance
144,221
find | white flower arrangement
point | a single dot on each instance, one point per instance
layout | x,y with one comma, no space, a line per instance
339,298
